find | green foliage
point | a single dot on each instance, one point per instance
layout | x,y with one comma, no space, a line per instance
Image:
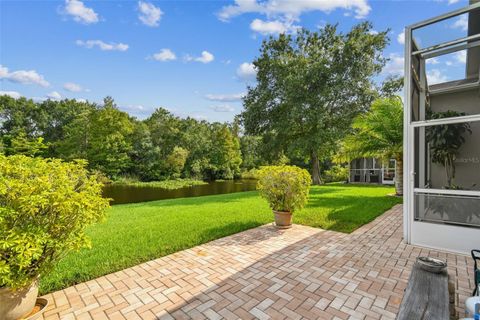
251,148
102,136
445,142
146,158
225,156
378,134
20,144
176,161
45,206
168,184
336,173
160,147
309,88
284,187
250,174
391,87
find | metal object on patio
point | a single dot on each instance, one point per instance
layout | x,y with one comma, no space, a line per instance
431,264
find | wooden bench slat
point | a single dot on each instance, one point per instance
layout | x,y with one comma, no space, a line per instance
426,296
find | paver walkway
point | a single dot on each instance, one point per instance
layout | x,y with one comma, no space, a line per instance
265,273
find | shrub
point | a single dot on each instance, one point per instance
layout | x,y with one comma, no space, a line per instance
45,206
250,174
284,187
336,173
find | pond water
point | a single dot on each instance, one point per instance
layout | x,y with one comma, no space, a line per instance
131,194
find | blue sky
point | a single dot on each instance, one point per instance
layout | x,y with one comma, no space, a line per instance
191,57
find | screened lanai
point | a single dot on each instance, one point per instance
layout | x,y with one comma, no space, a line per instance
442,131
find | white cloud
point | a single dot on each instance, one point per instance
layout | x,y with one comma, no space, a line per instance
135,107
292,9
79,12
198,117
112,46
461,56
453,1
54,95
149,14
13,94
435,76
432,61
206,57
23,76
461,23
225,97
401,37
272,27
164,55
73,87
395,66
247,71
3,71
223,108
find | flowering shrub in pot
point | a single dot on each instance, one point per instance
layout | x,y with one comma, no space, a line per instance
45,206
286,190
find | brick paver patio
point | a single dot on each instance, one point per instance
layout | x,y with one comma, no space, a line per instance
262,273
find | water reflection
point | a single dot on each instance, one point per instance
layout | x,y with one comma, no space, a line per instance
131,194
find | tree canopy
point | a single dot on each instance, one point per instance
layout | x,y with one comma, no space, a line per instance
162,146
309,88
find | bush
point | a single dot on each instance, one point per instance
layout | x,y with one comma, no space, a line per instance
45,206
336,173
250,174
284,187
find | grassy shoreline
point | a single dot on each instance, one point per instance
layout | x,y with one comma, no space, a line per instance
166,184
139,232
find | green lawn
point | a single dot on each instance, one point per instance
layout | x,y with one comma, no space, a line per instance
136,233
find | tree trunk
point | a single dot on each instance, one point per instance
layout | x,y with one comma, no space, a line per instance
316,179
399,177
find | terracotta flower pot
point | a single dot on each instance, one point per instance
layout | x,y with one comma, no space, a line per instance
15,304
283,219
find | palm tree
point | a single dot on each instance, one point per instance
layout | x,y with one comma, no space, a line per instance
378,133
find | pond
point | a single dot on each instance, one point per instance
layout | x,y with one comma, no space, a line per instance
131,194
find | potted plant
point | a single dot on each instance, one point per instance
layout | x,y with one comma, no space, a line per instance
445,142
286,190
45,206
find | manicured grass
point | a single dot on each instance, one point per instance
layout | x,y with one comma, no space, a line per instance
136,233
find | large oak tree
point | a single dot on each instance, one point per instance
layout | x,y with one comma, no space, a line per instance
309,88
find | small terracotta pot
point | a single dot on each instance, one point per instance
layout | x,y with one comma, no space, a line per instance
283,219
15,304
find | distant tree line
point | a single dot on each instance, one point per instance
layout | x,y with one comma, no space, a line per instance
163,146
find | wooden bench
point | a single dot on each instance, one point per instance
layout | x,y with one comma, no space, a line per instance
426,296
